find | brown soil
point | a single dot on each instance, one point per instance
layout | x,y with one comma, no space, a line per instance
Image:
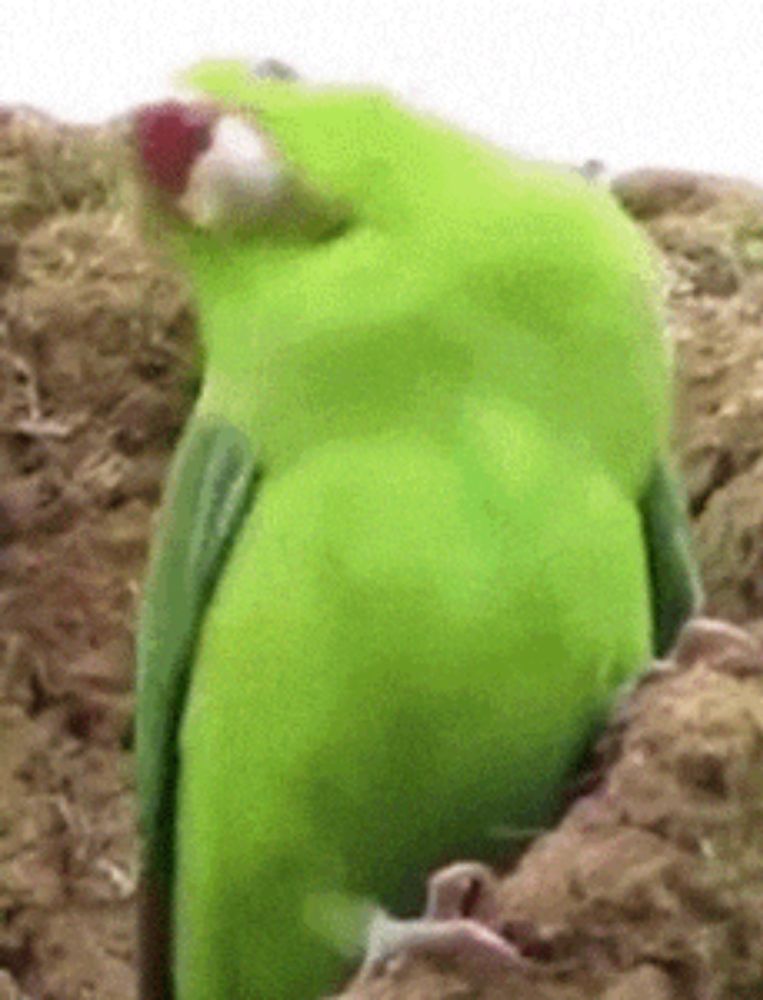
651,888
96,342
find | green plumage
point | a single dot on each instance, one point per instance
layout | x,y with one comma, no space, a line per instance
461,542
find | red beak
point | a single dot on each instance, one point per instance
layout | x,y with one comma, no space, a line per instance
170,137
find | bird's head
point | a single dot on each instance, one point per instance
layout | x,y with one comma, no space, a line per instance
272,162
309,220
212,168
303,201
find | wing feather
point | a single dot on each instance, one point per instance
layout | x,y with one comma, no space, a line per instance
211,487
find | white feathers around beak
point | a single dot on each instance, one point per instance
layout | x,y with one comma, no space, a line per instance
237,181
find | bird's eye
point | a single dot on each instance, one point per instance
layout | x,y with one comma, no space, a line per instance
216,169
274,69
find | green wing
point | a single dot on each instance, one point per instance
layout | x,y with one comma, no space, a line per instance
676,589
211,486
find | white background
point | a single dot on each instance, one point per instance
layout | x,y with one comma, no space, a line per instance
631,82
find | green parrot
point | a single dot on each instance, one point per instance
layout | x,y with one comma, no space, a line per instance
419,531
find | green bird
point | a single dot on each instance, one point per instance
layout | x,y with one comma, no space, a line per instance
419,531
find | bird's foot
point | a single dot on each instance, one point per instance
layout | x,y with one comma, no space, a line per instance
724,646
460,923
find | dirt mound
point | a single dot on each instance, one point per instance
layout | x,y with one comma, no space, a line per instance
96,342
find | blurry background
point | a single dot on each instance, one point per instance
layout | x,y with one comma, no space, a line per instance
634,82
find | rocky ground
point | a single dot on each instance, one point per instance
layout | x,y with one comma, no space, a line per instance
651,888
